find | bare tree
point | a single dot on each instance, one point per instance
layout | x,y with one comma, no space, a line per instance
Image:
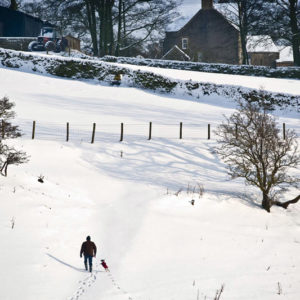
143,21
285,15
252,148
12,157
243,14
9,155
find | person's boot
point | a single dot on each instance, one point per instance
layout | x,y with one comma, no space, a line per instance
91,268
85,264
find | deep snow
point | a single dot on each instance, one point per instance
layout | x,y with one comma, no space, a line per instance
157,245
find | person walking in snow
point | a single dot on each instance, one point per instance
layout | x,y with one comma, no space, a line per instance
89,250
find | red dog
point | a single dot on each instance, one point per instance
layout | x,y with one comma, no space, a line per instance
104,265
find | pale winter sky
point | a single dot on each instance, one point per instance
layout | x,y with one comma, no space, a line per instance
187,9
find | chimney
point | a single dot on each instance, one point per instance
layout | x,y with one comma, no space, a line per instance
207,4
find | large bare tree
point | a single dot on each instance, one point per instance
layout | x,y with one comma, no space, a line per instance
285,17
114,26
243,14
252,148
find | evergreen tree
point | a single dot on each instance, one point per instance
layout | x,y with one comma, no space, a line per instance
9,155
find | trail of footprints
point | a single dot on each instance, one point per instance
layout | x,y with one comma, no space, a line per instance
117,286
89,280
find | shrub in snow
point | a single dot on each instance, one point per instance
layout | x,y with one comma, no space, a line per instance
251,147
9,155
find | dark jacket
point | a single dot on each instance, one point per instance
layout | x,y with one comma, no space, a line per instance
88,248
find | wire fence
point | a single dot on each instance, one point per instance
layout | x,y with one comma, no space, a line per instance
97,132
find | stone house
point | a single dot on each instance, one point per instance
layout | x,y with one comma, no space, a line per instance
207,37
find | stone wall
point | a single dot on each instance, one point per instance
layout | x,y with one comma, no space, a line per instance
16,43
264,58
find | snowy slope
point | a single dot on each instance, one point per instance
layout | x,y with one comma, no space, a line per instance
157,245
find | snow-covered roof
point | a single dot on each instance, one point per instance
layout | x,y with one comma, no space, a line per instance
285,54
176,48
261,43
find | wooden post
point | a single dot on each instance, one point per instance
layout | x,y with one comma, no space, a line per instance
283,131
236,131
180,131
3,129
33,130
93,134
68,131
150,131
208,132
122,132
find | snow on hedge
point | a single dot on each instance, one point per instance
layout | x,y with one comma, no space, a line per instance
77,68
281,72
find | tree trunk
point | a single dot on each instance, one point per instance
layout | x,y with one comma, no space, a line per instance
101,13
91,14
295,32
3,170
13,5
243,31
266,202
117,53
110,28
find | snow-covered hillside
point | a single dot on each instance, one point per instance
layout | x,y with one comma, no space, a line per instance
133,198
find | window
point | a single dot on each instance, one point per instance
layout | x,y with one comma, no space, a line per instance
185,43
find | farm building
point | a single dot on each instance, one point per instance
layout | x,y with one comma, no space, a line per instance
18,24
73,42
18,29
286,58
262,51
207,37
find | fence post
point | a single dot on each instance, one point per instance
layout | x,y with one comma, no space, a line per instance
283,131
3,129
93,134
150,131
33,130
180,131
208,132
68,131
122,132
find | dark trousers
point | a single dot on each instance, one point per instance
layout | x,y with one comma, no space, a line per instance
88,258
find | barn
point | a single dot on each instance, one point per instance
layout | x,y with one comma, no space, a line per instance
207,37
18,24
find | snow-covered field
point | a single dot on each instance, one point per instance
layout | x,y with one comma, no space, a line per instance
156,244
